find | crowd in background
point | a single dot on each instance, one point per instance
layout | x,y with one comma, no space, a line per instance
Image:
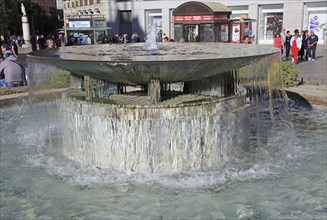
298,47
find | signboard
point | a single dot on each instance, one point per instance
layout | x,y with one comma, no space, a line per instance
236,33
201,18
79,23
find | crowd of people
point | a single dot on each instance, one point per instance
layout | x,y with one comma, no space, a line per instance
297,46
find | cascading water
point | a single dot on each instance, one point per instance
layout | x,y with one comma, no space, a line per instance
202,127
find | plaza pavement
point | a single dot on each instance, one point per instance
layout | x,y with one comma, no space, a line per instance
314,75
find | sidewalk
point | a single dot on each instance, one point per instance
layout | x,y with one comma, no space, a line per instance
314,75
315,72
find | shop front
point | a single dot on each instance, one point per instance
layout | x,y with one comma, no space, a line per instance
242,28
85,31
202,22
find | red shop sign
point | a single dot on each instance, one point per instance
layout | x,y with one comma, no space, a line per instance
201,18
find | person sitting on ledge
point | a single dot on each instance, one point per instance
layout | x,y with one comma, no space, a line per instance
12,73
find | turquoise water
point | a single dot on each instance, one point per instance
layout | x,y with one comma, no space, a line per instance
282,178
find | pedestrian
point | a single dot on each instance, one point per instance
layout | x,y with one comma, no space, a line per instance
50,43
41,42
312,45
296,44
283,36
278,42
13,45
12,73
305,44
301,51
246,39
288,44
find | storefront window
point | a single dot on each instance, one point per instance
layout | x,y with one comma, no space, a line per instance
191,33
270,21
317,23
274,23
224,32
99,23
99,36
315,19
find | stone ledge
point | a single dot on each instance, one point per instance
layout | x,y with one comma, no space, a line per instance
315,94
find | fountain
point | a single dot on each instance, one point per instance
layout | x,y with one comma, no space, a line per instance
280,175
200,126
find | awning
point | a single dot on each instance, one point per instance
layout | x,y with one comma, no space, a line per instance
84,28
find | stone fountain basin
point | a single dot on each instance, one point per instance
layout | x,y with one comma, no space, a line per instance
172,62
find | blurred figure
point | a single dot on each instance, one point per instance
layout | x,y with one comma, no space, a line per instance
278,42
288,44
50,43
246,40
165,39
12,73
296,44
312,45
13,45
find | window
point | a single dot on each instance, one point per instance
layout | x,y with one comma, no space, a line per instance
315,19
270,22
99,23
91,2
239,12
80,2
98,1
73,5
153,16
85,2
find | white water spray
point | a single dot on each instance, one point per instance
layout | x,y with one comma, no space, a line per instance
150,40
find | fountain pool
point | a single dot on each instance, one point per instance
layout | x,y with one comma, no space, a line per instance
250,154
282,179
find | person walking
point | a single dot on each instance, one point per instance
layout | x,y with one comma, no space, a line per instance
301,51
305,44
312,45
288,44
296,44
13,45
278,42
283,36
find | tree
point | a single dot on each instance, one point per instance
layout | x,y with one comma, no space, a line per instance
11,23
10,17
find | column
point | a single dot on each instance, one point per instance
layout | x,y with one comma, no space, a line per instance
99,88
154,91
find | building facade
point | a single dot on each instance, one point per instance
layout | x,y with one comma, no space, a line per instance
129,16
46,4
